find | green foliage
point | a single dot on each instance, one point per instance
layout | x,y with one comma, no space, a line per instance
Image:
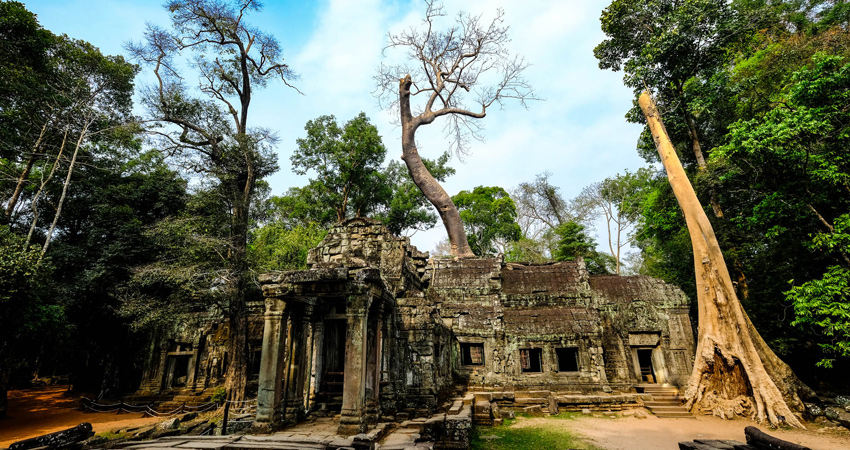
219,396
489,216
573,243
545,435
824,304
765,88
346,162
526,250
408,209
29,319
275,247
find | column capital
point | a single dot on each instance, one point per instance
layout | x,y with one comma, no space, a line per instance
357,304
274,304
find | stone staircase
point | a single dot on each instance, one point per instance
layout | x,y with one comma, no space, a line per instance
665,403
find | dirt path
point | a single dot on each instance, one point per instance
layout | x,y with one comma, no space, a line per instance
652,433
33,412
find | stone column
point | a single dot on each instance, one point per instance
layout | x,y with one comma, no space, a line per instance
353,396
271,361
316,366
161,372
307,375
298,364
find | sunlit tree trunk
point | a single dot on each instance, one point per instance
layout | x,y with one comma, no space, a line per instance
429,186
67,183
735,373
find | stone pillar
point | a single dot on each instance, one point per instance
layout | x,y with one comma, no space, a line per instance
309,342
193,364
298,364
316,366
161,372
353,396
271,361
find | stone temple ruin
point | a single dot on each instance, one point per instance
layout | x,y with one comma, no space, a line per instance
374,331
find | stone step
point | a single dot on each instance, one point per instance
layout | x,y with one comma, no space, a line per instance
684,415
652,404
662,409
672,391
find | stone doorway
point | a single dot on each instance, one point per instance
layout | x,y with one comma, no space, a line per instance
644,357
333,366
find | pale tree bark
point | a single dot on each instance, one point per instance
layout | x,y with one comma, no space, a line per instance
10,207
37,196
697,148
735,373
447,68
79,143
430,187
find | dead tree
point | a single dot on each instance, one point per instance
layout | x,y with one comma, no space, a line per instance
735,372
458,73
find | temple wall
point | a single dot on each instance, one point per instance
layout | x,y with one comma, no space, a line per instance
376,331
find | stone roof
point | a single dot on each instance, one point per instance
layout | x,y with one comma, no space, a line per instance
566,276
626,289
551,321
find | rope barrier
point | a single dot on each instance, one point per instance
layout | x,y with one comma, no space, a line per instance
121,407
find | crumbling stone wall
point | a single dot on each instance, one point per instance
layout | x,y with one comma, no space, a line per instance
189,358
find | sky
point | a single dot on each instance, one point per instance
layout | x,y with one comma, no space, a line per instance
577,132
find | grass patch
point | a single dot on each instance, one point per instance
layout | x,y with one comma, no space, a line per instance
547,435
111,435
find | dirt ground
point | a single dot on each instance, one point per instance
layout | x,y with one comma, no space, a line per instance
652,433
37,411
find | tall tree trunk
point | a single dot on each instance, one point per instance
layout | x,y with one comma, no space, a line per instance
423,178
735,373
4,390
23,178
64,189
44,182
697,148
18,189
242,193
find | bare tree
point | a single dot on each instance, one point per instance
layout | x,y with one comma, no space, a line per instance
611,200
211,134
540,206
735,372
458,74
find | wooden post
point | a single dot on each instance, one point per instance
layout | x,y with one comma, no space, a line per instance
226,413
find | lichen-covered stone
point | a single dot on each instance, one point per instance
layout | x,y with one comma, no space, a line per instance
544,336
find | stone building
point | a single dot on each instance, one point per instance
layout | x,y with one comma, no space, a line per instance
374,329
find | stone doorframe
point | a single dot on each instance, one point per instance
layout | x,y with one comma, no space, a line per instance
648,341
292,341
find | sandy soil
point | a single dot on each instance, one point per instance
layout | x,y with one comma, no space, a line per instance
33,412
652,433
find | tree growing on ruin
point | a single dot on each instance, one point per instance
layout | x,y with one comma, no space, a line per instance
347,162
735,372
615,199
489,216
456,75
210,133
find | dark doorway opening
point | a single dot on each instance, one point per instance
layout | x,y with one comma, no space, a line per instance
645,362
567,359
531,359
180,374
472,354
333,364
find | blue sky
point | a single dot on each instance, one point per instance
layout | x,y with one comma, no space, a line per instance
578,133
